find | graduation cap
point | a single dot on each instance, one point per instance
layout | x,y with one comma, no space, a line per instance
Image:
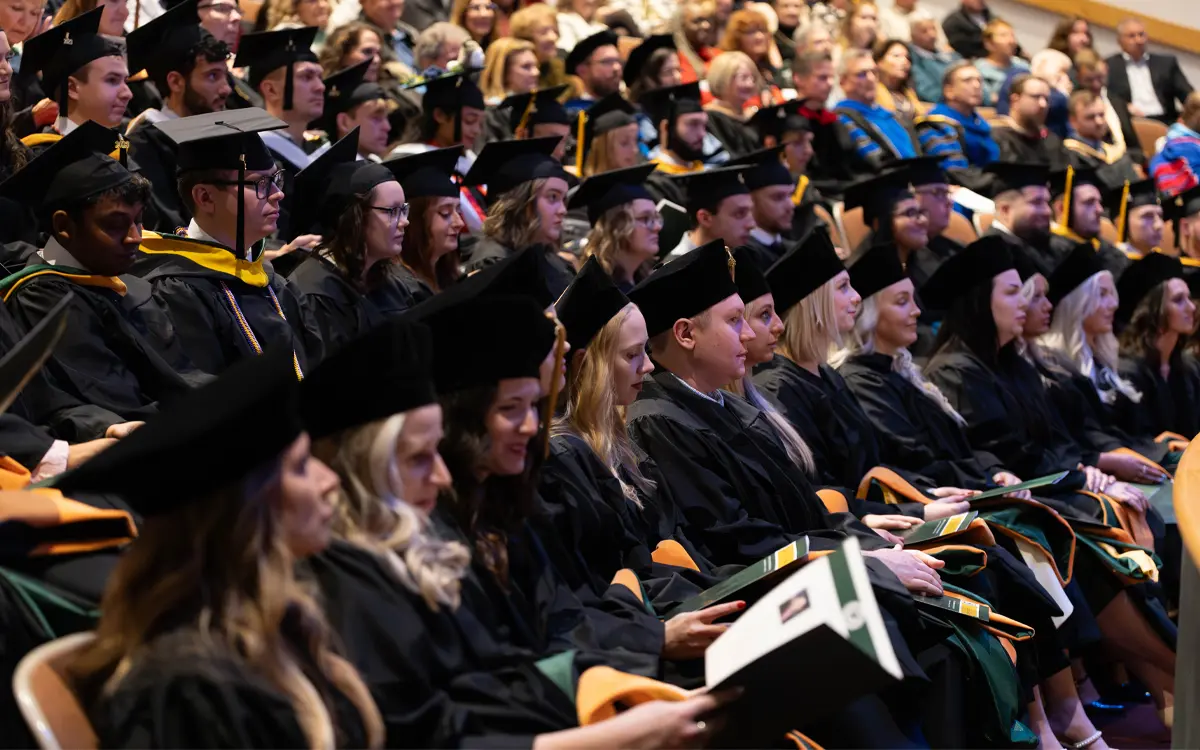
804,269
705,190
224,140
504,165
267,51
641,54
1008,176
1142,277
166,43
924,170
326,187
60,51
388,370
979,262
249,411
345,90
878,195
751,283
585,47
588,304
1064,182
669,102
522,274
1127,196
610,189
766,168
72,169
541,107
1081,264
779,119
685,287
451,93
1182,206
875,269
612,112
429,174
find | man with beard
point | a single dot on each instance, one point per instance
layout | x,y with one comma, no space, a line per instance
682,128
187,65
1022,196
597,64
1079,206
1023,137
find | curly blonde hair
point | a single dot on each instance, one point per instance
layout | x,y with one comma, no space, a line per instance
610,236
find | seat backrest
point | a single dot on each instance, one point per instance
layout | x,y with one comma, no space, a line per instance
1108,230
835,234
960,229
854,227
987,113
46,698
1148,132
983,222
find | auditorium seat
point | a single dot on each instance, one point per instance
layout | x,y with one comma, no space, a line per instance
46,698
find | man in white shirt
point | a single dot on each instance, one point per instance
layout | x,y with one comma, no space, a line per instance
1150,85
719,207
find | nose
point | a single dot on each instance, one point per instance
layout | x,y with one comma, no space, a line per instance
324,477
125,94
440,477
529,425
748,333
134,236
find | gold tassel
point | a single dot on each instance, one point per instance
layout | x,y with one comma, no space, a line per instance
1065,219
801,187
732,264
560,345
1123,215
529,110
579,145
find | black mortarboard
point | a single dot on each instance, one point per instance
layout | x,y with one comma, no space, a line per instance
166,43
267,51
1007,176
1063,184
878,195
779,119
923,170
705,190
503,165
345,90
766,168
751,283
982,260
669,102
450,93
74,168
249,411
610,189
804,269
429,174
1081,264
1182,206
1123,198
685,287
522,274
585,47
388,370
58,52
541,107
325,188
641,54
875,269
588,304
612,112
479,339
224,140
1141,278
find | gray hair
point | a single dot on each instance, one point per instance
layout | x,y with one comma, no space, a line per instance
850,56
429,43
920,15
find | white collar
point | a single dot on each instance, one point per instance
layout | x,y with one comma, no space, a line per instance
1001,228
194,232
56,255
717,399
763,237
64,125
1129,59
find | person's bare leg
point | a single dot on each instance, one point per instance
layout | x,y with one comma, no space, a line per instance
1064,710
1040,724
1131,639
1083,683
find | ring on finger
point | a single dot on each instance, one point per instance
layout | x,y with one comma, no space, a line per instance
701,726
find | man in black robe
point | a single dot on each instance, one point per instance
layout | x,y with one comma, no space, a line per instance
783,124
1079,217
1023,214
1024,137
187,65
813,79
92,207
771,187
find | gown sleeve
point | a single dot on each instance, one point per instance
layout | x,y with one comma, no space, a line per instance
200,331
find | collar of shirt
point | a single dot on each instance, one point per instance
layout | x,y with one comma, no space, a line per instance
1003,229
763,237
56,255
194,232
1130,61
64,126
716,397
169,113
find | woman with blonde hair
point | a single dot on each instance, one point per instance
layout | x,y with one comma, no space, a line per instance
112,21
294,14
625,223
538,24
859,28
610,137
734,83
206,638
510,67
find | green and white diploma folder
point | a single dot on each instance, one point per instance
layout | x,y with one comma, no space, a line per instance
814,643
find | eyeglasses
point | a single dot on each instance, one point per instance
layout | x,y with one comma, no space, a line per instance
650,221
912,214
394,213
221,9
940,194
481,7
263,186
607,62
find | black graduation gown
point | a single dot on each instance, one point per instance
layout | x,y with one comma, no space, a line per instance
416,288
339,313
763,256
157,158
920,267
108,356
559,273
804,218
832,168
206,323
241,94
1111,256
185,690
1040,255
732,132
1167,405
439,678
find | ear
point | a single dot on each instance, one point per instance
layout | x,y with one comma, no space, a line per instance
345,123
704,218
202,197
662,133
769,141
684,332
73,85
176,82
440,117
61,226
270,91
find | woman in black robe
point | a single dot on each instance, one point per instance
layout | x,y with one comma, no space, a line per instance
206,639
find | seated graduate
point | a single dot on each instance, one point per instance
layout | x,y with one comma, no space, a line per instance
393,587
354,103
1077,353
190,650
92,206
1021,193
224,303
538,114
684,143
82,71
187,66
453,116
429,256
610,137
782,124
930,185
1156,317
771,188
625,223
719,209
527,201
1137,212
359,210
1079,209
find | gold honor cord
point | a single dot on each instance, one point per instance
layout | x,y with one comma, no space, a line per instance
579,144
1065,219
245,325
560,346
1123,215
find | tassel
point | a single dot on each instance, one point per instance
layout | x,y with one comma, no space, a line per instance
579,144
1123,215
732,264
801,187
241,212
1065,219
560,345
122,150
524,123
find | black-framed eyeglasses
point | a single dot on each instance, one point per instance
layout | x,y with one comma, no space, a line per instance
220,8
263,186
911,214
394,213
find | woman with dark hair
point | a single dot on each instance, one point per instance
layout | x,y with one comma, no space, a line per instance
18,223
1071,34
1159,316
206,638
653,64
429,260
894,92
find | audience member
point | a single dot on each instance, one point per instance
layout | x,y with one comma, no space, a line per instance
930,59
734,84
577,20
1091,73
894,91
695,29
748,33
790,15
511,67
954,131
813,79
1176,167
538,24
1088,144
965,28
112,21
439,49
478,17
1023,137
878,136
398,37
860,28
1152,85
1000,61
